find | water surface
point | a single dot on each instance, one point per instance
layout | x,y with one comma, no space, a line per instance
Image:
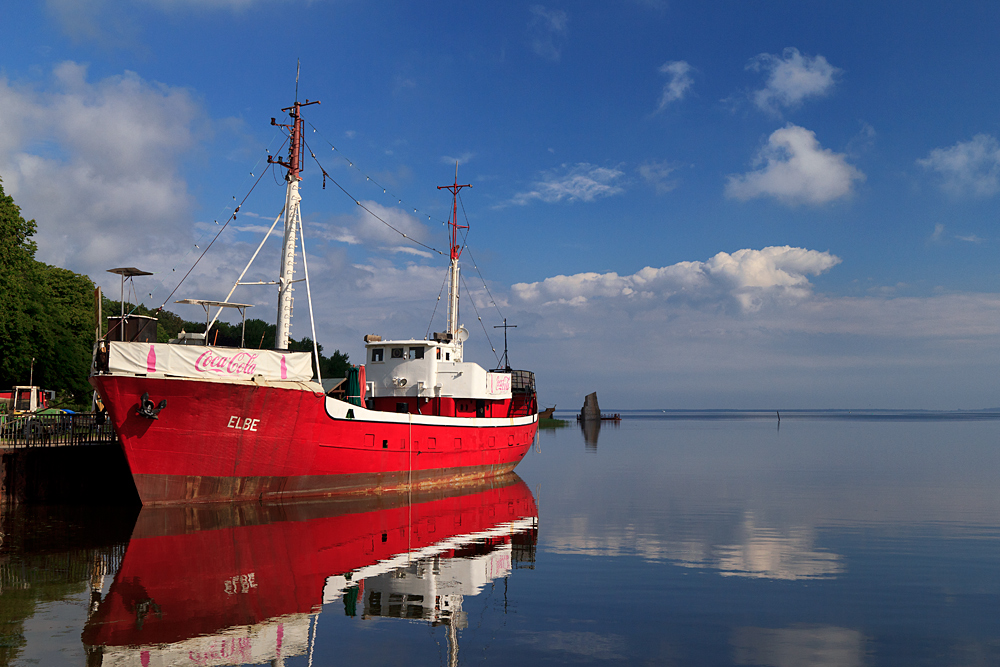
728,539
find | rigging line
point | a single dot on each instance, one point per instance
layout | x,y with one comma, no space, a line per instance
231,218
257,252
202,237
351,164
473,300
476,266
440,292
312,321
326,175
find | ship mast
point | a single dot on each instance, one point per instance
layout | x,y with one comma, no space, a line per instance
456,251
292,217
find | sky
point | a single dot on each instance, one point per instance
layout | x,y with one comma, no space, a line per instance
746,204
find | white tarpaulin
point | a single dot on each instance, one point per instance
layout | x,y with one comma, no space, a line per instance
203,361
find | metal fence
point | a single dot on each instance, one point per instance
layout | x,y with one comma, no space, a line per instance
56,430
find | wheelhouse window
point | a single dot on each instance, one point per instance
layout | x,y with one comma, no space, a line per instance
416,353
378,354
397,353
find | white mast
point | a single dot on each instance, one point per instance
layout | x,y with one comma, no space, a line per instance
292,220
456,251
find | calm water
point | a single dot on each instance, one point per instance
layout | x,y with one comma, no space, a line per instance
709,541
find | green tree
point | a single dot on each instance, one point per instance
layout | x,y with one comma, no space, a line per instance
46,314
17,255
61,303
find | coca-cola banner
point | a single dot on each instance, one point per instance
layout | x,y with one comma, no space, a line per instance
203,361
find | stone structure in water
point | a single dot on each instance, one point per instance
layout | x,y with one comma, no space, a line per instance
590,408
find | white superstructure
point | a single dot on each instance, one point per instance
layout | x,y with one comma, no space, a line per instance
429,369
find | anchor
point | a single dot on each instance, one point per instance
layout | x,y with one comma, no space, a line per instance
146,408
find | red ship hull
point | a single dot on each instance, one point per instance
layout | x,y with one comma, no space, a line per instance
223,441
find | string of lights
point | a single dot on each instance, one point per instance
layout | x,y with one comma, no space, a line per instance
327,176
197,245
370,179
232,217
465,245
434,312
473,301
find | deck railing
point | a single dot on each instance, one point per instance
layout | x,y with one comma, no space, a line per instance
56,430
523,401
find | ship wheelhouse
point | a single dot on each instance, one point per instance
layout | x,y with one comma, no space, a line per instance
430,377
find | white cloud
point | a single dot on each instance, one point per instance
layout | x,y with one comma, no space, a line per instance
747,278
96,164
115,23
365,228
748,329
658,174
461,159
547,29
938,233
792,78
795,169
968,167
579,182
678,83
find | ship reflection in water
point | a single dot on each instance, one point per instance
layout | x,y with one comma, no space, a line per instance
246,583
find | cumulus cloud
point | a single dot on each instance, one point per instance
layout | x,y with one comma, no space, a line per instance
795,169
791,79
749,329
679,81
579,182
967,168
547,31
96,163
747,278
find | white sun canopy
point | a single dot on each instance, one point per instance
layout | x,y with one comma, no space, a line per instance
206,361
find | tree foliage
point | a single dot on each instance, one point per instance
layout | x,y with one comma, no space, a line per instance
17,257
46,314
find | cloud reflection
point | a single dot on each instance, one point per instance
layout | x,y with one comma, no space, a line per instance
799,646
750,550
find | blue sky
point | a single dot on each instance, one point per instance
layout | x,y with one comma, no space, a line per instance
680,204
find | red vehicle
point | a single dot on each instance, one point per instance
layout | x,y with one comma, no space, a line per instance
26,399
204,423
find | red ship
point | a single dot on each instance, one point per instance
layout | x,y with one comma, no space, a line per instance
200,423
245,583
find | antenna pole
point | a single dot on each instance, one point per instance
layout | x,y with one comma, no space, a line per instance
292,215
456,251
506,360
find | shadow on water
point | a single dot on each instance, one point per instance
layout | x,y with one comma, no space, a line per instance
51,553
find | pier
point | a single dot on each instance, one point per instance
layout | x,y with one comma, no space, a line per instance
63,458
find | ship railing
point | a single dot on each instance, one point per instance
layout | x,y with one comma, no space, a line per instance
56,430
522,387
522,382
